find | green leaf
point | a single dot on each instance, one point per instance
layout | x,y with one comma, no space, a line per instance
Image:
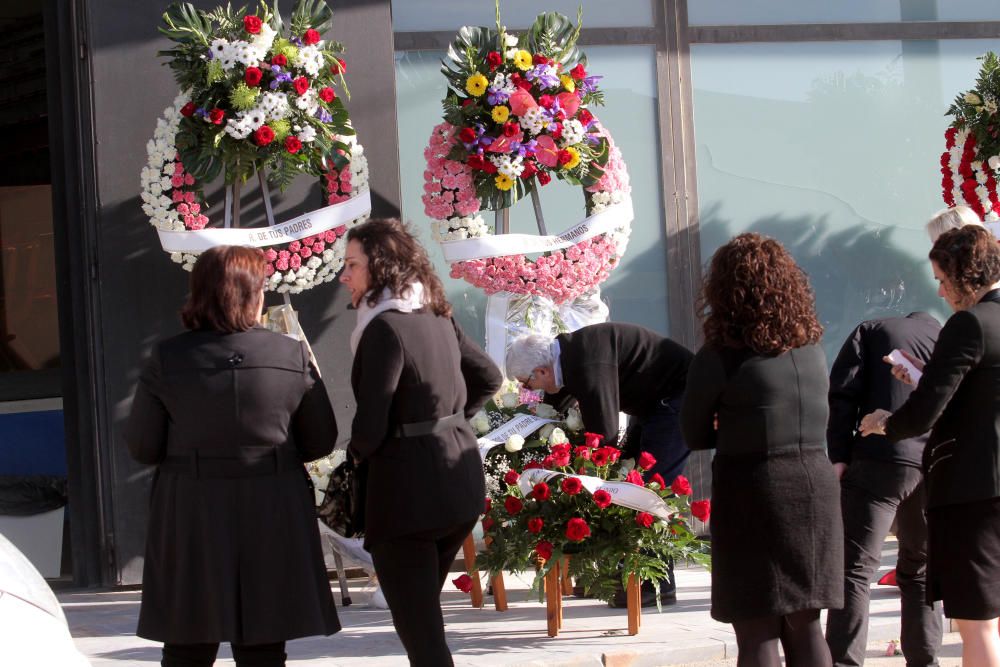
555,36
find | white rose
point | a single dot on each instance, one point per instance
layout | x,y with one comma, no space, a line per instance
546,430
324,467
573,420
972,98
514,443
545,411
481,422
558,437
510,400
994,162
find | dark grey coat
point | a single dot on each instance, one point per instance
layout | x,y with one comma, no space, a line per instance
777,534
411,368
232,552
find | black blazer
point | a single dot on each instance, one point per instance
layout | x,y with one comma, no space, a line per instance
959,396
232,550
860,382
411,368
613,367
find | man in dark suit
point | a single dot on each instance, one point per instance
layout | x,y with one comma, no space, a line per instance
610,368
880,481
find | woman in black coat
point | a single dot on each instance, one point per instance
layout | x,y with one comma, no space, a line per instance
228,412
757,393
958,400
417,380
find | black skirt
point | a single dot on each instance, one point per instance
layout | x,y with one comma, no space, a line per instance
963,567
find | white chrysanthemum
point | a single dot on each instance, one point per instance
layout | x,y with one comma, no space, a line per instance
274,106
533,120
503,83
309,58
262,41
305,134
508,166
307,102
572,133
219,47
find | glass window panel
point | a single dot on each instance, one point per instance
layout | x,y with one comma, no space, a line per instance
832,148
770,12
408,15
637,289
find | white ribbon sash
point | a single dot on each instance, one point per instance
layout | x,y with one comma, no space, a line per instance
625,494
522,425
308,224
492,245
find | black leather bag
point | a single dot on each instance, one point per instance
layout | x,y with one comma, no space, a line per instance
343,506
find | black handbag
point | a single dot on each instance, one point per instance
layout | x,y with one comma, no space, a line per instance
343,506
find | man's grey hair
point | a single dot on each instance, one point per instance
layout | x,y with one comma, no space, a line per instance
528,353
951,218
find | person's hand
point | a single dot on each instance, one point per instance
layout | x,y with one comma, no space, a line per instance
874,423
839,469
899,370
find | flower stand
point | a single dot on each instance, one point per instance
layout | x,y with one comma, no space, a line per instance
555,587
496,582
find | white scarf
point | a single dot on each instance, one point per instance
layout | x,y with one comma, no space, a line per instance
412,299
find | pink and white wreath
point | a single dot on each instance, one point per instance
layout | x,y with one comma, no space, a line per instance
171,200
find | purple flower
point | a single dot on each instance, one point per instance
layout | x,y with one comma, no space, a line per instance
589,84
324,115
592,139
496,96
545,76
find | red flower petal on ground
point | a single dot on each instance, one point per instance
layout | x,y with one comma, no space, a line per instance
463,583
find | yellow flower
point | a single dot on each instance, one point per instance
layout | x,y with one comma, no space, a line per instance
503,182
476,84
574,158
500,114
568,83
522,60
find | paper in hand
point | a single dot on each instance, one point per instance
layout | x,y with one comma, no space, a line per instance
897,358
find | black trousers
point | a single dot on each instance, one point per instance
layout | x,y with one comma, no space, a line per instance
203,655
411,571
872,493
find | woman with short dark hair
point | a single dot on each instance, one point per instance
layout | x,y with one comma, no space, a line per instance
417,381
958,401
228,412
757,393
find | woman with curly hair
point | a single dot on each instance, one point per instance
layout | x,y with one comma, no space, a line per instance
757,394
957,400
417,381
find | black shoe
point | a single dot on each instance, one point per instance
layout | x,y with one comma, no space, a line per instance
647,596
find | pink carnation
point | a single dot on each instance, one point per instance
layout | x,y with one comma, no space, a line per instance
295,261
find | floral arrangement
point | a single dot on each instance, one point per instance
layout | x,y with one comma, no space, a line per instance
529,528
516,116
971,161
253,100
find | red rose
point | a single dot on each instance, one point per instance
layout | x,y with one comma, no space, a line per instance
311,37
301,85
488,505
529,170
511,477
292,144
582,453
572,486
511,129
264,135
585,117
593,440
188,109
463,583
561,449
539,59
541,492
339,68
468,102
522,83
602,498
645,519
513,505
476,161
557,131
701,509
565,157
534,465
549,461
327,94
535,525
613,453
656,477
599,456
633,477
252,76
494,60
490,168
646,461
467,135
577,530
279,59
488,523
252,24
578,72
217,115
546,101
544,178
544,549
681,486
